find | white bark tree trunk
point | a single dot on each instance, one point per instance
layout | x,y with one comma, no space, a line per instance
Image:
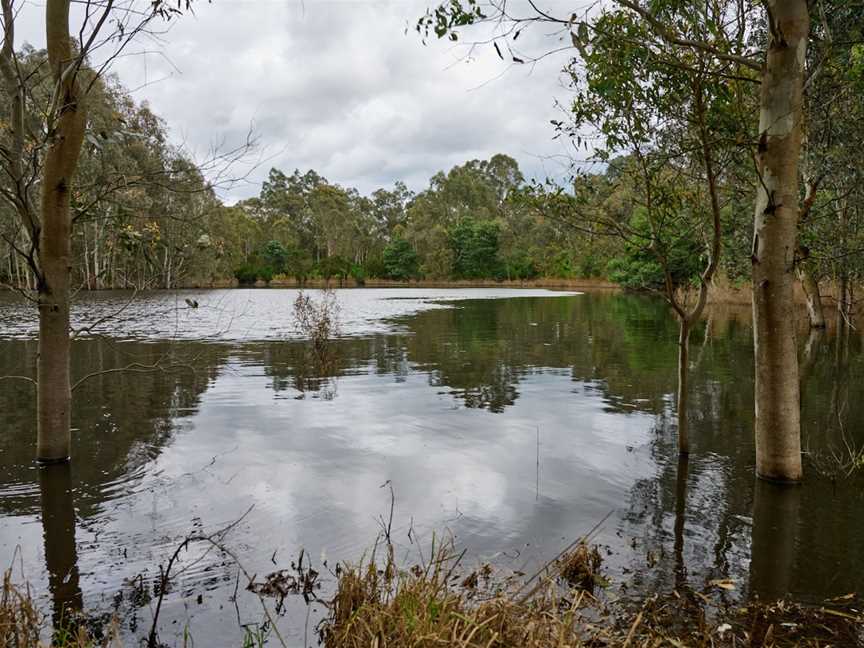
778,416
815,311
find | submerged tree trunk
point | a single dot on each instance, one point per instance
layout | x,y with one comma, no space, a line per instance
777,393
54,398
680,520
61,554
776,510
683,371
686,318
814,299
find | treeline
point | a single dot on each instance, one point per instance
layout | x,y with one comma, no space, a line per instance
142,211
146,217
472,222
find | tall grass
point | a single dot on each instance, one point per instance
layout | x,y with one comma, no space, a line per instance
431,606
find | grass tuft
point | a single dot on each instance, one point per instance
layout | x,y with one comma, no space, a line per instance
431,606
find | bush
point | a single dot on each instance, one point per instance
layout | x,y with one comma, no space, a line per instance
246,274
318,321
400,260
358,274
519,266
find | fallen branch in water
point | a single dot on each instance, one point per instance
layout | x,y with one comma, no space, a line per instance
25,378
216,540
135,367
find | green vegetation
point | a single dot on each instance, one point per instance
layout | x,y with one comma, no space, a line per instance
164,227
146,217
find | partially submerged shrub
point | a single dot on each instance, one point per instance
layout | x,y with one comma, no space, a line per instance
318,321
580,567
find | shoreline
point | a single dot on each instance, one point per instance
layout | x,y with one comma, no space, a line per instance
721,293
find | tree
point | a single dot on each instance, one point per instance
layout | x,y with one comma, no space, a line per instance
475,249
778,413
276,256
400,260
41,166
723,31
830,234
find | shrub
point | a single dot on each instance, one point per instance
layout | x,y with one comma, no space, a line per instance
318,321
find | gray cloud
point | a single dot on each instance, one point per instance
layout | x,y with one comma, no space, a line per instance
341,88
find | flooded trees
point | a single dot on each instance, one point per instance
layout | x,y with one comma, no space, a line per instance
775,241
48,226
66,125
675,130
759,45
47,124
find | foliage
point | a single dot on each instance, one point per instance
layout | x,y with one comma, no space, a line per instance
318,322
143,213
638,268
400,260
475,249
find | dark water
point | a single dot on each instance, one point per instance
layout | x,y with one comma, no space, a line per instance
515,423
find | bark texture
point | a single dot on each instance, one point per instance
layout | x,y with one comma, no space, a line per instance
777,395
66,132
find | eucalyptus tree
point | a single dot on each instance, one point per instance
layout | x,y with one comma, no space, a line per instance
389,208
675,116
726,32
42,146
458,213
832,238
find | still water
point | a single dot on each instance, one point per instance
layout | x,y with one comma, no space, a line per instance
513,420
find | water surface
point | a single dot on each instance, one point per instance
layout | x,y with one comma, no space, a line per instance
514,420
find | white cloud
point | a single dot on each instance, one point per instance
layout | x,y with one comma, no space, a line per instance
341,88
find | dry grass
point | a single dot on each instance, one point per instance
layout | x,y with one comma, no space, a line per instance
22,625
432,606
580,568
20,621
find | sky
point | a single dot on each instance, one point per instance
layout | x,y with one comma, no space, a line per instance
340,87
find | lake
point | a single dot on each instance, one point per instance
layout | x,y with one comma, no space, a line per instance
515,420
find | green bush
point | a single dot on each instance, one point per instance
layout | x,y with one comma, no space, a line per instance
400,260
475,249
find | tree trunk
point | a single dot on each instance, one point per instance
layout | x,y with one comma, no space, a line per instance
776,510
680,520
54,397
811,348
814,298
61,554
85,259
843,301
777,394
683,362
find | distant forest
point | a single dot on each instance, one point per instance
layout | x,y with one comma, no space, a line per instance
146,217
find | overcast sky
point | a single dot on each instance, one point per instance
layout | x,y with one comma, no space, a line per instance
341,88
